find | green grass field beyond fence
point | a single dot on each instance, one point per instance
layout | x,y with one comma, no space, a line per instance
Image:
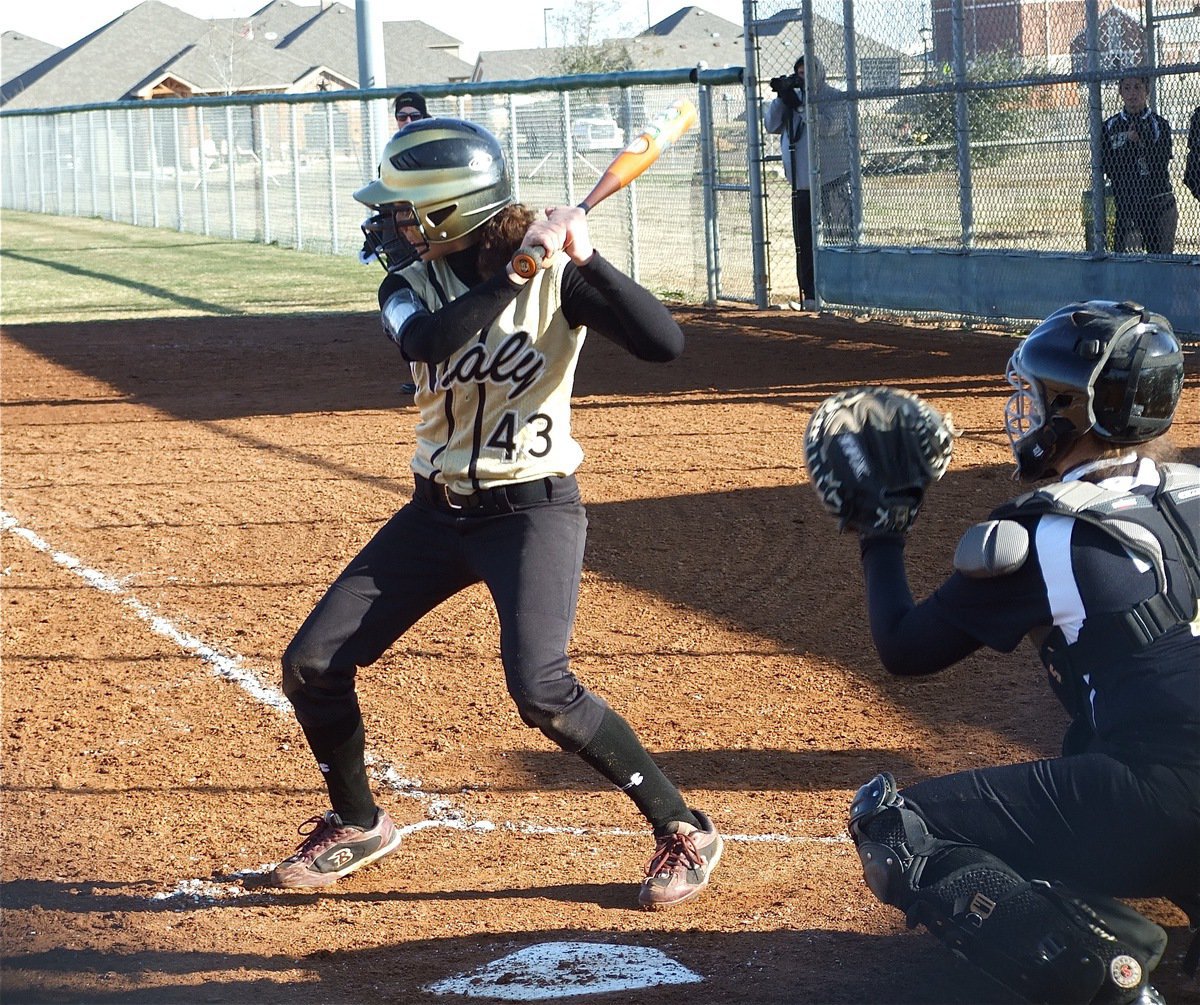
59,268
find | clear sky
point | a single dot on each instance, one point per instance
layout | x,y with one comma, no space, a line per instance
479,24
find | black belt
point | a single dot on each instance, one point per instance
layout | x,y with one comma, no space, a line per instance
504,499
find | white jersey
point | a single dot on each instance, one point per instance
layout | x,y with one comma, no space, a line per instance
498,411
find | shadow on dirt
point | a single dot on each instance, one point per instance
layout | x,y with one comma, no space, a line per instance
754,968
729,554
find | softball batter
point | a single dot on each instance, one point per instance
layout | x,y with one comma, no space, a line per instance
495,497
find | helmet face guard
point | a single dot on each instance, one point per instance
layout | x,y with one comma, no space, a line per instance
439,178
1114,370
385,236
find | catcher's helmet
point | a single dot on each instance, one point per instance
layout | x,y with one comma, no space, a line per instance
1114,370
442,177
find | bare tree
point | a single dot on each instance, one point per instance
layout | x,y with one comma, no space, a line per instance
585,49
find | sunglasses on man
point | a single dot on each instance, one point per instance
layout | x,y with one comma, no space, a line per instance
408,116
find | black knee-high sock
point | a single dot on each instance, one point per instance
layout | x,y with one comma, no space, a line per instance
339,752
620,757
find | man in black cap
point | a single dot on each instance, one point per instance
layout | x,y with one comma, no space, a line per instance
410,106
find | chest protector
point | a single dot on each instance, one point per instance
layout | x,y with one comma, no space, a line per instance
1163,528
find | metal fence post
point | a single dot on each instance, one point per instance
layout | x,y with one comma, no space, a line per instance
1095,129
154,216
333,214
41,160
295,145
962,129
262,174
630,194
852,124
178,172
58,187
513,162
754,159
112,174
707,174
92,166
568,146
205,225
231,146
133,207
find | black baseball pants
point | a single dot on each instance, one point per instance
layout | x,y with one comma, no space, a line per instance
531,559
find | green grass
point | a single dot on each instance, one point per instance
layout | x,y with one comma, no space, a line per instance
58,269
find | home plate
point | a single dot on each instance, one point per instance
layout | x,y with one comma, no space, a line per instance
562,969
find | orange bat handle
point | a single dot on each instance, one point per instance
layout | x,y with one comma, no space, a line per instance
527,260
625,167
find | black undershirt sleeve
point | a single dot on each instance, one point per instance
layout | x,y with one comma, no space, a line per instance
611,304
433,337
911,638
597,295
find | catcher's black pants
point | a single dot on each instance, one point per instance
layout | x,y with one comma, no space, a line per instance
1089,820
530,555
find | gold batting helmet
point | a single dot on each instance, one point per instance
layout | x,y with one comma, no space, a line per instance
442,177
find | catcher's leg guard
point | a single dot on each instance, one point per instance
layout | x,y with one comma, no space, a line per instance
1040,940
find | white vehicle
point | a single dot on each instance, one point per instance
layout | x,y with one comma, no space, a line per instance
594,128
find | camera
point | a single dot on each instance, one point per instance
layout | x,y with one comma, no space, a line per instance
787,82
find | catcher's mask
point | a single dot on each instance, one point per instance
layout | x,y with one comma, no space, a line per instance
1111,369
440,180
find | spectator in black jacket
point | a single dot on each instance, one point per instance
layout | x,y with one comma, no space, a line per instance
1135,155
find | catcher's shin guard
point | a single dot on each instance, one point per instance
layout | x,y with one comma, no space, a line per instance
1040,940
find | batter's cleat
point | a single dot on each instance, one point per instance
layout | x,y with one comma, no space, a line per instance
681,865
332,849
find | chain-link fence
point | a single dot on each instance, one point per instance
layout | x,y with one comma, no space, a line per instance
976,128
967,180
284,171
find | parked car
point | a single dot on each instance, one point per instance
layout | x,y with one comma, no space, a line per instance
594,128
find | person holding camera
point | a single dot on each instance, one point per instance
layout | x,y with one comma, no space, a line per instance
788,116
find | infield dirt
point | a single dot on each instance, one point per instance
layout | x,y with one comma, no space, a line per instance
222,471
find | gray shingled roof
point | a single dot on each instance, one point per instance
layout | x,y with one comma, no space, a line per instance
154,41
100,66
330,38
693,24
272,23
225,62
781,40
517,64
19,53
689,36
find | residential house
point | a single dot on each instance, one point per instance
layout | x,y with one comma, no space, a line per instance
155,50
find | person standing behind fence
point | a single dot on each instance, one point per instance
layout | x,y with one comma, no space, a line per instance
1136,152
787,116
409,107
1191,170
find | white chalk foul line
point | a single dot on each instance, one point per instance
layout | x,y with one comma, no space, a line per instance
440,812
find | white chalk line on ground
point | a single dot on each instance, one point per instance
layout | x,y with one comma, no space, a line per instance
441,813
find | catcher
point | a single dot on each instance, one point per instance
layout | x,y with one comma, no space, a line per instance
1016,867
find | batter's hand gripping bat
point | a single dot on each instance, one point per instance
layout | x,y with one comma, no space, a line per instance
625,167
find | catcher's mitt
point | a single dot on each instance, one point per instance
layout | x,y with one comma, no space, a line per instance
871,453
